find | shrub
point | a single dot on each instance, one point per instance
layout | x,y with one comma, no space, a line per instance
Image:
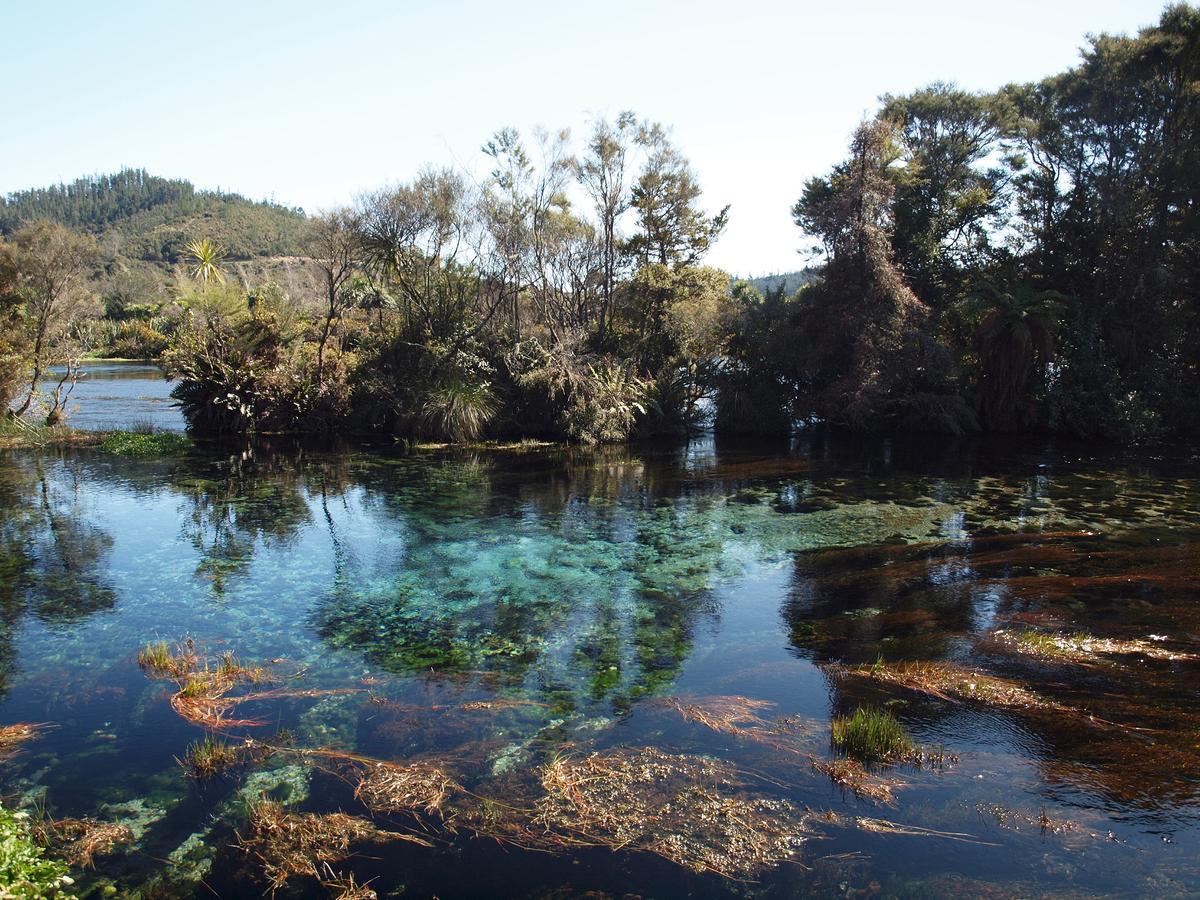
24,870
587,398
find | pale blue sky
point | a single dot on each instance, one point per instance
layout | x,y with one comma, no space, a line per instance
311,103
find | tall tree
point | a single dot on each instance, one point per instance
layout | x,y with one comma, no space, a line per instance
602,172
674,229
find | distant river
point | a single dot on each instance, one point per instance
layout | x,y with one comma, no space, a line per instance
119,395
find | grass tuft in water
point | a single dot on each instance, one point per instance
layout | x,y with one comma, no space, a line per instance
209,757
872,735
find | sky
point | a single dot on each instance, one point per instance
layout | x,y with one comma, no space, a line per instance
313,103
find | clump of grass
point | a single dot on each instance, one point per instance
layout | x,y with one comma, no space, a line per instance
134,443
872,735
17,433
159,660
209,757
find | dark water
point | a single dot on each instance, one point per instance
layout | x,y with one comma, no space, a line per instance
122,395
497,614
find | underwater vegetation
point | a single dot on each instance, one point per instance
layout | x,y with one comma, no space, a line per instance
554,672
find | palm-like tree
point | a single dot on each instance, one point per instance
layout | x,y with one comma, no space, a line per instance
207,257
1016,339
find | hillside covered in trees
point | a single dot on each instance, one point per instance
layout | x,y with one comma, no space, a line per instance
1020,260
154,218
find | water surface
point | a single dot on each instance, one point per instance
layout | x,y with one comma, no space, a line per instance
494,612
118,395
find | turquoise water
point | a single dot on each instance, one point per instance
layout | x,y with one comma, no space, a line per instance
497,613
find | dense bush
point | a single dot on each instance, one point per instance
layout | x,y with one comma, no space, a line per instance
25,872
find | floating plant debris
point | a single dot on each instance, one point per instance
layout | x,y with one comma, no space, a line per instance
883,826
849,774
392,787
1082,647
691,810
1016,819
953,683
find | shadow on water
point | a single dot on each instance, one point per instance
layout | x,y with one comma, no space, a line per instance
510,617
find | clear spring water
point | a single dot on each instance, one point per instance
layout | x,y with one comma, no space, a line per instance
593,585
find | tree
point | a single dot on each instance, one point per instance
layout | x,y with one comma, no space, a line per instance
51,264
674,230
947,196
335,246
601,171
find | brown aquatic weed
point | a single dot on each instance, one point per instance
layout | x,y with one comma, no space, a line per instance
13,737
955,684
849,774
289,844
79,841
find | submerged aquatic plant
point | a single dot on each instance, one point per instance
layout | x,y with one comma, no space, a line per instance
79,841
289,845
872,735
13,737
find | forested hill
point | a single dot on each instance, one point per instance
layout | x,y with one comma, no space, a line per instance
153,218
789,281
